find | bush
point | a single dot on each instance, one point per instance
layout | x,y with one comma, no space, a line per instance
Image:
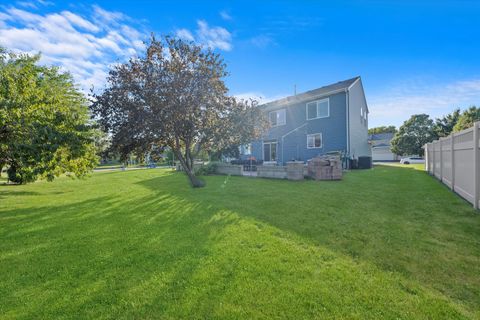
20,175
207,169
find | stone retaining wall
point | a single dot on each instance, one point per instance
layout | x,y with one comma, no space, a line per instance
325,168
275,172
295,170
230,169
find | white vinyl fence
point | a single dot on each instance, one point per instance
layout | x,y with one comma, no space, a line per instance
455,160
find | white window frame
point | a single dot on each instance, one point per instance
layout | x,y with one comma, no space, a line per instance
278,124
317,102
321,140
276,151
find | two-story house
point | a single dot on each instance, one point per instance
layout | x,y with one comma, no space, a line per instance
330,118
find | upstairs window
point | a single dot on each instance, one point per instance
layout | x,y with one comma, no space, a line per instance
277,117
314,140
363,116
318,109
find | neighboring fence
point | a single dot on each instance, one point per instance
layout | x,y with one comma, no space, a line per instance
455,160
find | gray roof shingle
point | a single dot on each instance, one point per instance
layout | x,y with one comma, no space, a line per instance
381,136
341,85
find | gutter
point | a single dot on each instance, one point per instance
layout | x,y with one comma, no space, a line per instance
347,107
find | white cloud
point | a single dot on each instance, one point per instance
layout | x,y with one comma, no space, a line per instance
259,97
45,3
34,4
27,4
108,16
86,46
398,103
21,15
80,22
250,96
185,34
262,41
213,37
225,15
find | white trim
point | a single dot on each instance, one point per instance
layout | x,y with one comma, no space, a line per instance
317,102
321,140
347,119
363,92
329,93
354,82
476,165
277,110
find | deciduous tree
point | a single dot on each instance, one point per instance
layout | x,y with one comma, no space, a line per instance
467,119
413,135
382,129
174,96
44,129
444,126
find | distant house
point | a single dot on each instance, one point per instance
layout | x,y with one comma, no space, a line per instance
380,143
330,118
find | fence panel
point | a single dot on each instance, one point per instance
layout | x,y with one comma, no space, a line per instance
436,158
446,161
455,160
429,155
463,148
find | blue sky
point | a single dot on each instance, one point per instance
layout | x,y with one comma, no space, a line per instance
413,56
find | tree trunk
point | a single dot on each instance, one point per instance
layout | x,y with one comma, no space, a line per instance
194,181
187,165
2,164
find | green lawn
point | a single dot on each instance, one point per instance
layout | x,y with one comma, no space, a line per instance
387,243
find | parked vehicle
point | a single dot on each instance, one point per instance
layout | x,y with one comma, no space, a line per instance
411,160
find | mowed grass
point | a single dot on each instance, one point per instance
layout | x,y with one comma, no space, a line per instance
386,243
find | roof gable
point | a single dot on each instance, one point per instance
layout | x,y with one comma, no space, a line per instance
381,136
312,94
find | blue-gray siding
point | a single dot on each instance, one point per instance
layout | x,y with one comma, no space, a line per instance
358,127
332,128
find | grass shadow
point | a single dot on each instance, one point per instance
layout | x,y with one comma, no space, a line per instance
100,253
396,218
261,248
16,193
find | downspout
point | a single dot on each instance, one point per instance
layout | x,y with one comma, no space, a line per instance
286,134
347,106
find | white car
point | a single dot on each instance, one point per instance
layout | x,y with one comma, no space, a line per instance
410,160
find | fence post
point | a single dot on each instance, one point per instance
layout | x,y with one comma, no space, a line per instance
426,157
433,158
476,165
441,159
452,160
